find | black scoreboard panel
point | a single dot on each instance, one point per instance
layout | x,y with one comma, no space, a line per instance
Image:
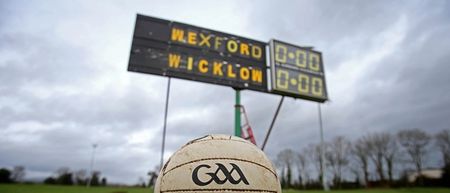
168,48
297,72
173,49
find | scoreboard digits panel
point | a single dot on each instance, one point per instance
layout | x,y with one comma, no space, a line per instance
297,72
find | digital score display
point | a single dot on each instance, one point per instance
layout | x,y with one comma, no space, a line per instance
168,48
297,72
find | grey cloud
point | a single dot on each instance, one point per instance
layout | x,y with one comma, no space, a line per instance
356,25
63,98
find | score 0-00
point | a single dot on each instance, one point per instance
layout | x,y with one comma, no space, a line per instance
296,66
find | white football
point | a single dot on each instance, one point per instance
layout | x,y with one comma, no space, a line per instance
218,163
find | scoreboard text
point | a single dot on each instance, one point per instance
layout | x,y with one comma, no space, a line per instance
184,51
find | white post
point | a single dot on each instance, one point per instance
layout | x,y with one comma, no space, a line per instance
165,125
322,152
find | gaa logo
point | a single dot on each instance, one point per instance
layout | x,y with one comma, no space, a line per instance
213,175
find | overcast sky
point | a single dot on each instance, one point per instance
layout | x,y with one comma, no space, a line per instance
64,83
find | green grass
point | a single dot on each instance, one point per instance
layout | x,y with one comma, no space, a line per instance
39,188
375,190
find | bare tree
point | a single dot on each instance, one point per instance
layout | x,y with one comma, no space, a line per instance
377,148
18,173
415,142
313,153
389,153
443,142
360,151
286,160
302,167
80,177
354,168
337,156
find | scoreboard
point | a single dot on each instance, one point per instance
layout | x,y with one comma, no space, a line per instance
297,72
168,48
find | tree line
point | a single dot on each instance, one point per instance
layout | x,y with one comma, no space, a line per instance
62,176
15,175
376,159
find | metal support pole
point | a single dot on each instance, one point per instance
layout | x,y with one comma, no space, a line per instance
273,123
165,124
237,114
92,165
322,152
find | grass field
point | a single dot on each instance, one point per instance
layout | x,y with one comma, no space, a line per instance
400,190
38,188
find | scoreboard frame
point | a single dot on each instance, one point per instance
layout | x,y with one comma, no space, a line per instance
307,74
